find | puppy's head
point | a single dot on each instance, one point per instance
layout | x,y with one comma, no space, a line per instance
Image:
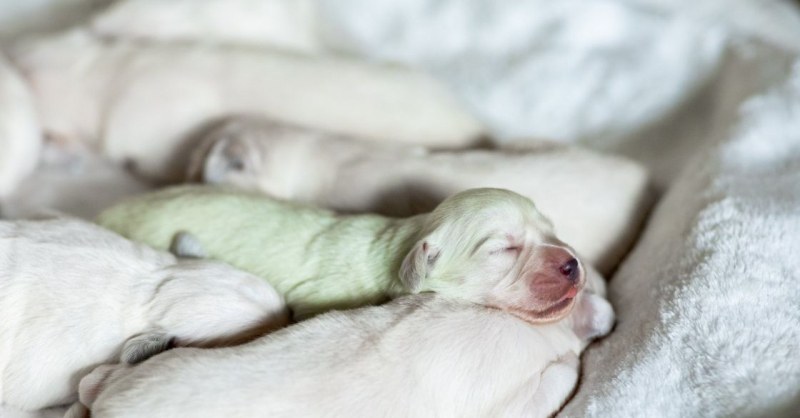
228,153
257,154
493,247
205,303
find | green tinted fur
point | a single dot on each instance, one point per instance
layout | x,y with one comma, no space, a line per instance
316,259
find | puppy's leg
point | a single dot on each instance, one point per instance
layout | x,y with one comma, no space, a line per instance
94,383
77,410
186,245
143,346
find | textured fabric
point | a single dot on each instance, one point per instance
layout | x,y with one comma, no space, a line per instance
707,303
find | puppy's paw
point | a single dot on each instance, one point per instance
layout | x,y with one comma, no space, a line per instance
141,347
593,317
77,410
186,245
94,383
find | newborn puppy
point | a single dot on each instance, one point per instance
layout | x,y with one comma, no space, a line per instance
74,296
595,201
417,356
140,102
487,246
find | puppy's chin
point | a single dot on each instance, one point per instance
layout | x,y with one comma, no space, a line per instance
556,312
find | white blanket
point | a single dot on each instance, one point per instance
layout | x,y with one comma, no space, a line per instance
708,302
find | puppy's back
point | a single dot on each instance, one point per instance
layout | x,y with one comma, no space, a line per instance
416,356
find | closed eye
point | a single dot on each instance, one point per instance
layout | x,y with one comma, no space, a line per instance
508,250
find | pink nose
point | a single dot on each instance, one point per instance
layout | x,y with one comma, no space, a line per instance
571,270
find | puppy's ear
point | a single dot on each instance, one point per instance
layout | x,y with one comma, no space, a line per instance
228,155
186,245
418,264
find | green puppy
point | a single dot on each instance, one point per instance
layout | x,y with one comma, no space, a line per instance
488,246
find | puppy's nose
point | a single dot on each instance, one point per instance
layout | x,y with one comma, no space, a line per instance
571,270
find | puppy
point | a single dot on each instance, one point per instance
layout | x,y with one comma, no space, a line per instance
487,246
418,356
596,201
74,296
20,134
141,102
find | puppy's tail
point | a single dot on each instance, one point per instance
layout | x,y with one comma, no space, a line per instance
93,384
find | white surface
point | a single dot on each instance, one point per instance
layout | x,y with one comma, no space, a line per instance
567,71
278,23
19,18
707,303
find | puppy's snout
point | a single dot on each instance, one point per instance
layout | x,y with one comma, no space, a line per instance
571,270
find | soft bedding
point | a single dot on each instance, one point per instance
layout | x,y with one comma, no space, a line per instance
708,300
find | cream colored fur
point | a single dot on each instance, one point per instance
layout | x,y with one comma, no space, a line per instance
20,134
74,296
418,356
596,202
142,102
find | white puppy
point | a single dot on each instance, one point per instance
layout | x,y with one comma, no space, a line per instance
418,356
140,102
74,296
595,201
20,134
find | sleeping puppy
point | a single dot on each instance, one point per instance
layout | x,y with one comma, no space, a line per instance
595,201
486,246
142,102
74,296
418,356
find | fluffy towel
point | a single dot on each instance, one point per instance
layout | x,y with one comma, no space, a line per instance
709,301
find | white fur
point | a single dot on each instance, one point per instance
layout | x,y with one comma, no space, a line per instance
20,135
140,102
417,356
279,23
72,293
709,301
595,201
